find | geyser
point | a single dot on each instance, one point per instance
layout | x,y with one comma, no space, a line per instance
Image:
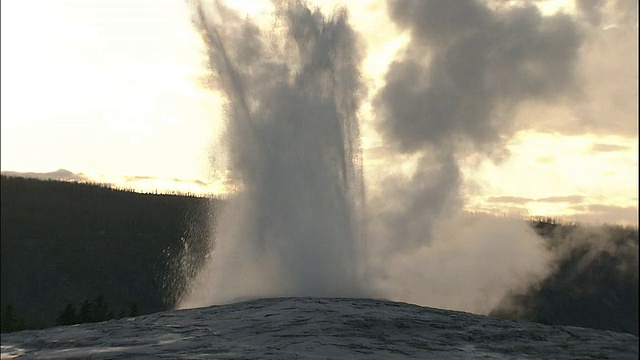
293,143
296,227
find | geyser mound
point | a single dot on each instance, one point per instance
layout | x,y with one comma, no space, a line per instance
312,328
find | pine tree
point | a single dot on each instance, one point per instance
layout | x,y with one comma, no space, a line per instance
68,316
10,321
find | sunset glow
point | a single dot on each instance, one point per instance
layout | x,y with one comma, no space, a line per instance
110,90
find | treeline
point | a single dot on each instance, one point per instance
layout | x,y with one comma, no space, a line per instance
89,311
11,321
66,242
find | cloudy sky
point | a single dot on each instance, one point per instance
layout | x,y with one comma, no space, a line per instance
534,102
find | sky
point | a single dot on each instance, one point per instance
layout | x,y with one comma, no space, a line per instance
112,92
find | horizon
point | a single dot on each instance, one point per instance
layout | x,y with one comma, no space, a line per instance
62,175
108,109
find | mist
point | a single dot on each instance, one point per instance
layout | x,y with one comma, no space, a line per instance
594,282
451,93
308,221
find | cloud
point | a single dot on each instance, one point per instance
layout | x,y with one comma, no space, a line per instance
189,181
562,199
509,199
60,174
607,214
129,178
547,159
597,148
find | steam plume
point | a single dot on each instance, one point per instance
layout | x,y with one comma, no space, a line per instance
451,93
298,225
293,143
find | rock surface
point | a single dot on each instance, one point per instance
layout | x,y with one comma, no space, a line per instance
318,328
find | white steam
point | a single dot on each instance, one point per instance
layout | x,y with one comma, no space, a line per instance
300,227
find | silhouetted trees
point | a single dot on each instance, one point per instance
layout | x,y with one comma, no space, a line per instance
91,311
133,310
68,316
11,321
63,240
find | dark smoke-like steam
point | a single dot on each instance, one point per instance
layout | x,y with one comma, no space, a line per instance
293,142
452,92
465,69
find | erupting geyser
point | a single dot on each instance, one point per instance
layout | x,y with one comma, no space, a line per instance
297,226
293,144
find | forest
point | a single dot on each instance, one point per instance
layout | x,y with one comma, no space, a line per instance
77,252
66,243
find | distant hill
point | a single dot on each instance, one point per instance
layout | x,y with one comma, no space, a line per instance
65,242
60,174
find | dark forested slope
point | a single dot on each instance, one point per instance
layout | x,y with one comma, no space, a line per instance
66,242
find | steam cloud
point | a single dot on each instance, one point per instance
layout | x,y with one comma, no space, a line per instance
300,226
293,142
453,92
